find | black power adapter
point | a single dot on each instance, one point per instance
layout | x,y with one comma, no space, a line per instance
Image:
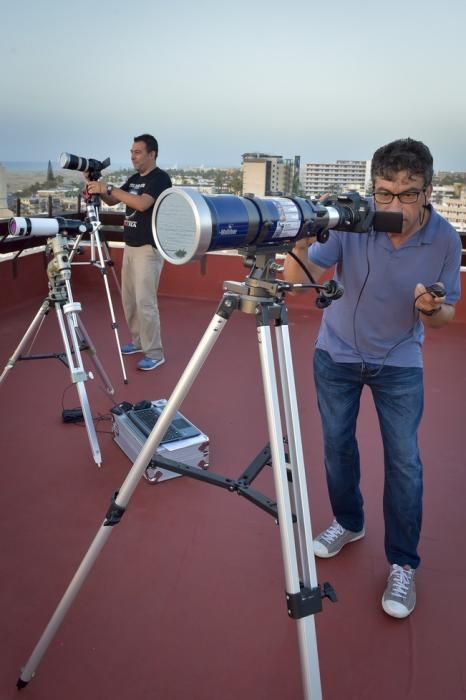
72,415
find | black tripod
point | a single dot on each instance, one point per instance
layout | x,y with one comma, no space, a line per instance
263,298
74,335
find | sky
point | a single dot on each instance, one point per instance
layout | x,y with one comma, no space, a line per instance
213,80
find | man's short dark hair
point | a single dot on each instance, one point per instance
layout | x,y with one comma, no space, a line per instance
150,141
403,154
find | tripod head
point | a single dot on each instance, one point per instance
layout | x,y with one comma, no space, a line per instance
262,284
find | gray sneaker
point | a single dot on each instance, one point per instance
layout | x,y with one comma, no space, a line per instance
399,598
333,539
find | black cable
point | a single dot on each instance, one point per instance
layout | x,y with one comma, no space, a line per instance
376,372
357,304
303,266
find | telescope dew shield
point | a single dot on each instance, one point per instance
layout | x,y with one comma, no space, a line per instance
20,226
25,226
187,224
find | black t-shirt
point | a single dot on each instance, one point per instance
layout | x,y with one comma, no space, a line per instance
138,224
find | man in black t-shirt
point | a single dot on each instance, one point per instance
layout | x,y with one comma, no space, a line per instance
142,262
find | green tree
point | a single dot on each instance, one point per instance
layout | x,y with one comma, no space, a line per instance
236,184
50,176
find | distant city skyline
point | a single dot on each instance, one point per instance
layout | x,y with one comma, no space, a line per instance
212,82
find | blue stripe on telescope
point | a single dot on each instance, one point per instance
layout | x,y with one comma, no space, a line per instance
187,224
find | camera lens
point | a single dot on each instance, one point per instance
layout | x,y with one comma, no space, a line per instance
70,162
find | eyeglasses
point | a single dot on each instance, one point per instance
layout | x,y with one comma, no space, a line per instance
403,197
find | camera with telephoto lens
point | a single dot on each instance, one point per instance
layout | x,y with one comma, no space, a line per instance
90,165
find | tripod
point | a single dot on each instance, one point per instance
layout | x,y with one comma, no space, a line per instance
264,299
74,335
92,208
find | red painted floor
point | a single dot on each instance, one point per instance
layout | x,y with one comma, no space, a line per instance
186,600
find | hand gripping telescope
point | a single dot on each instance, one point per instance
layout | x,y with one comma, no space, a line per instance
186,224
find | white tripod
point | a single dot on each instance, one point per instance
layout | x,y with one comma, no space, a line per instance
262,298
92,208
73,333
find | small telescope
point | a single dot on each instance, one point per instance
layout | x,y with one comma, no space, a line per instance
70,162
24,226
186,224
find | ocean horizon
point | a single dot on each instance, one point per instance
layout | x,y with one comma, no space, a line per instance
37,165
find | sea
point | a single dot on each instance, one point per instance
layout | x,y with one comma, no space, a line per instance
33,165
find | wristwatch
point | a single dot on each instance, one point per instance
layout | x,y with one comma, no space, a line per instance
109,190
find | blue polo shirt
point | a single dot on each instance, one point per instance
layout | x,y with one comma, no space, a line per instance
375,319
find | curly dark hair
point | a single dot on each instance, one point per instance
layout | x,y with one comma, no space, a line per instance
403,154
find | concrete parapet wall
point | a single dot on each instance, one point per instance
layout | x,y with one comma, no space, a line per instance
26,279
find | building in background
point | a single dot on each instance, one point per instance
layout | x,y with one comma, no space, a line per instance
342,176
265,175
454,208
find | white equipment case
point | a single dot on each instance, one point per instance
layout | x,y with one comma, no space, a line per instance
193,451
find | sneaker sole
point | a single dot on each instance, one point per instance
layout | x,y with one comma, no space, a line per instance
394,612
148,369
329,555
131,352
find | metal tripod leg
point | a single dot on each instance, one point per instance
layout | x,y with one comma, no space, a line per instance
123,496
78,374
96,244
74,360
103,271
37,320
108,258
90,348
306,625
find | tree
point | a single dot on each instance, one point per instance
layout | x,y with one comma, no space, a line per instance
236,184
50,176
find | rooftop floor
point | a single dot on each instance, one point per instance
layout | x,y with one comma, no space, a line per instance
187,600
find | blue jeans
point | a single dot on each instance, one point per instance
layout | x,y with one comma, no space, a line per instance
398,395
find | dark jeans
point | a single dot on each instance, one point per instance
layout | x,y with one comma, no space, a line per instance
398,395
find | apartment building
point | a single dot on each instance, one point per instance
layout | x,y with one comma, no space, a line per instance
342,176
454,210
265,174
